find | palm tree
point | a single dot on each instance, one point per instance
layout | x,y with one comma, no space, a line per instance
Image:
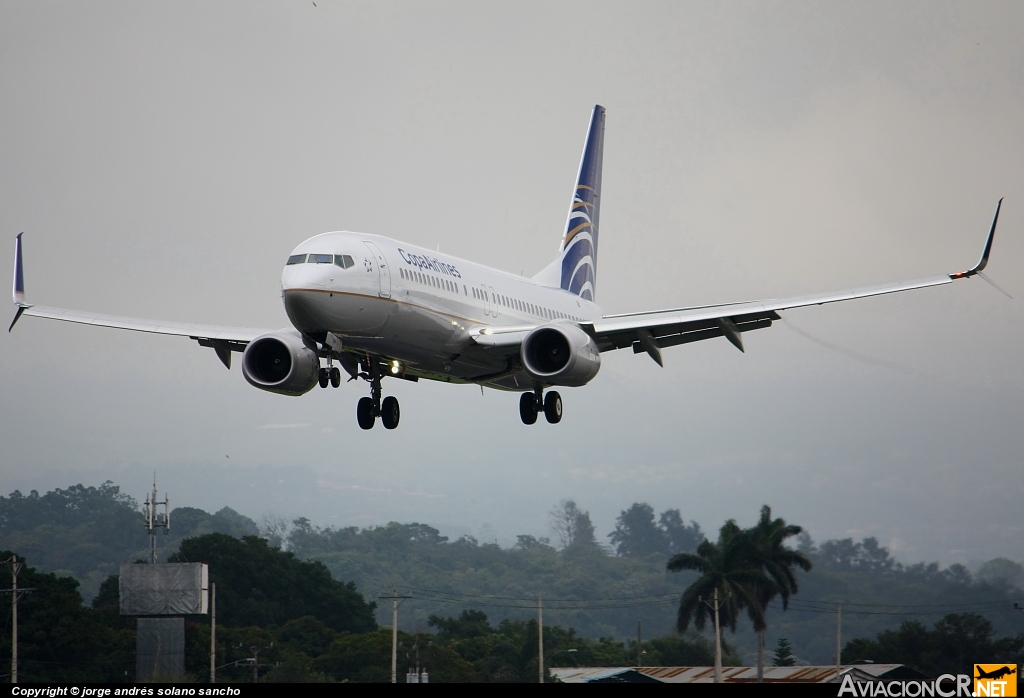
732,580
777,562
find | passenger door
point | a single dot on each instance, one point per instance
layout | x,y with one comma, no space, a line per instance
383,271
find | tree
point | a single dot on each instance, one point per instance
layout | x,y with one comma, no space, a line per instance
952,646
768,538
784,653
681,538
730,577
1002,571
571,525
636,534
59,639
260,585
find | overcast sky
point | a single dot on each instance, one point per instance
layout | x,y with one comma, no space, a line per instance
164,158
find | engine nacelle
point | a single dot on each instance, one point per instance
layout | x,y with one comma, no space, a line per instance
281,363
561,354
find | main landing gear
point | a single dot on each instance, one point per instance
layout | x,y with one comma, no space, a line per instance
531,404
369,408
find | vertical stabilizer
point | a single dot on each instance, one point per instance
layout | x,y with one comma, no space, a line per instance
575,268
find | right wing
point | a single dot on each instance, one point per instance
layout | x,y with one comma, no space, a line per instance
223,339
651,331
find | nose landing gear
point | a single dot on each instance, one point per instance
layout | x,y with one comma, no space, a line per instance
369,408
531,404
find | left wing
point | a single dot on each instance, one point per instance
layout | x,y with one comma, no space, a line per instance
223,339
651,331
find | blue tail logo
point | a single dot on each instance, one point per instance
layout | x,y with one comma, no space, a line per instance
579,244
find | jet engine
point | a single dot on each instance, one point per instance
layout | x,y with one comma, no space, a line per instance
561,354
281,363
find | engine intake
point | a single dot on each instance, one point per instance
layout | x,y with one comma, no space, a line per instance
281,363
561,354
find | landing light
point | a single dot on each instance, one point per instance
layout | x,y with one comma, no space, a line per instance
395,367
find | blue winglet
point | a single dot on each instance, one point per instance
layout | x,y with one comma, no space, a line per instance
19,281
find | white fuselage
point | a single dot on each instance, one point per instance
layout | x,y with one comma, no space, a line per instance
416,306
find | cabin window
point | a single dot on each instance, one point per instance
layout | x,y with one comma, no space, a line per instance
344,261
321,258
297,259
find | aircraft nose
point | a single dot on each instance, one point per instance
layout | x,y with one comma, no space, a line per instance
300,276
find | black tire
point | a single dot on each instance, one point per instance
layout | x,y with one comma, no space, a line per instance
389,412
553,407
528,408
336,377
324,378
364,413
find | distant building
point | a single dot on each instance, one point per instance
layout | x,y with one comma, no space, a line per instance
737,674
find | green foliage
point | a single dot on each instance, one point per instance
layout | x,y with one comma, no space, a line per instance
690,650
59,639
90,531
87,531
730,575
417,556
954,645
258,585
1002,571
784,653
366,658
637,535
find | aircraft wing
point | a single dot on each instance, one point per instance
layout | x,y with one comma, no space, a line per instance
651,331
223,339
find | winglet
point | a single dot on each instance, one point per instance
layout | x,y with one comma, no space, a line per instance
19,273
983,262
19,282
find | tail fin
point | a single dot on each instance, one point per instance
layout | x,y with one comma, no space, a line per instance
575,268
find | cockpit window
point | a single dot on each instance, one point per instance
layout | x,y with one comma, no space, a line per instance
297,259
344,261
321,258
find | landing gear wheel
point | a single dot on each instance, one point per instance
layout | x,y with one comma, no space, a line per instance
364,413
324,377
389,412
528,408
335,377
553,407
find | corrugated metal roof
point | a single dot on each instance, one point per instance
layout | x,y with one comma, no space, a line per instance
730,674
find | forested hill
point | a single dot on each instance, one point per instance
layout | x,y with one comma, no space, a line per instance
87,532
600,590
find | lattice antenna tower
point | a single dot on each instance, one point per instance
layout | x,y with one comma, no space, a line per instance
156,519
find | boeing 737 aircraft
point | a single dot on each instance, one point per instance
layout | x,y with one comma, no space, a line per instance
383,308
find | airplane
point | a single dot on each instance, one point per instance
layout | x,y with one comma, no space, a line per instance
995,673
385,308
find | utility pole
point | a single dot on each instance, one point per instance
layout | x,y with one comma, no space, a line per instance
213,632
16,594
839,638
396,601
718,635
155,520
638,641
718,643
540,640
